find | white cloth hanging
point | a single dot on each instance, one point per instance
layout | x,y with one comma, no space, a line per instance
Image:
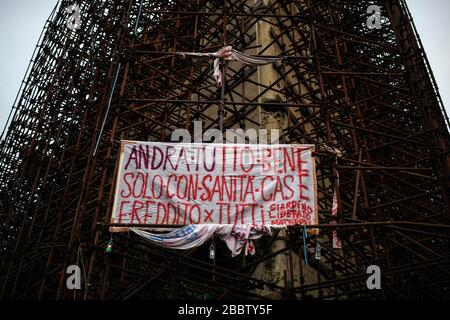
228,53
237,237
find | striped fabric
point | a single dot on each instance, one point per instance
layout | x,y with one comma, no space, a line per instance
237,237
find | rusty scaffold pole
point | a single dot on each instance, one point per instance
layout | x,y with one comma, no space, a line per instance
368,93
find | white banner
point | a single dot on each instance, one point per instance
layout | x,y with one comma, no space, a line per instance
179,184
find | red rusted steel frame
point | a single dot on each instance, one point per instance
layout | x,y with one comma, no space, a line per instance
369,93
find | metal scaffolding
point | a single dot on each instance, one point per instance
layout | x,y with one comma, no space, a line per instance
369,93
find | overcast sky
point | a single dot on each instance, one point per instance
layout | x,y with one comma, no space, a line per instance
21,22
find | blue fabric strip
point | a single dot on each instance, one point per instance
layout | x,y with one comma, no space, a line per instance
305,236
